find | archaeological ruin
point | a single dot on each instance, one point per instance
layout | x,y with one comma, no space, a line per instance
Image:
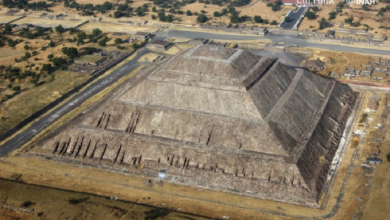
214,118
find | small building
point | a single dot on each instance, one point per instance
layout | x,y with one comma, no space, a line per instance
95,20
373,161
366,73
199,41
160,45
24,25
140,36
44,15
315,65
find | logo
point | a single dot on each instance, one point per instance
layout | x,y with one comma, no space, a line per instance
360,2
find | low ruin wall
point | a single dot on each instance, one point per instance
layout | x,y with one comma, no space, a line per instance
298,51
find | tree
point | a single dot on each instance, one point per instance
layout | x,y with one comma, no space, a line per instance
118,41
81,36
51,43
30,35
118,14
26,47
275,7
11,43
71,52
189,13
16,89
310,15
315,8
388,157
349,20
216,14
154,9
323,23
103,42
274,22
135,46
234,18
58,61
45,67
50,56
7,29
332,15
287,19
97,32
72,30
258,19
40,31
202,18
27,55
59,29
169,18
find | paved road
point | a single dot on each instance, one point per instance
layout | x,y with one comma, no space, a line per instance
294,18
288,40
23,137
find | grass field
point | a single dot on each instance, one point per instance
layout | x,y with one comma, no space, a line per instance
6,18
58,204
148,57
109,27
17,109
89,58
49,22
9,53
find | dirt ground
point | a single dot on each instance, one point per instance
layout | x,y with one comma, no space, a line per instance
51,86
18,108
369,18
338,61
108,27
9,53
49,22
49,203
148,57
6,18
259,8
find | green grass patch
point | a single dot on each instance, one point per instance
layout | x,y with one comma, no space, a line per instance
89,58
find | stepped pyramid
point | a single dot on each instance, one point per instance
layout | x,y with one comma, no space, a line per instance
216,118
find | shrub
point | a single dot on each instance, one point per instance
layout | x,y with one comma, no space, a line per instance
202,18
26,204
310,15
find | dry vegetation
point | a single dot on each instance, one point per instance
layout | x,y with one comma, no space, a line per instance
32,99
338,61
57,204
369,18
23,94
